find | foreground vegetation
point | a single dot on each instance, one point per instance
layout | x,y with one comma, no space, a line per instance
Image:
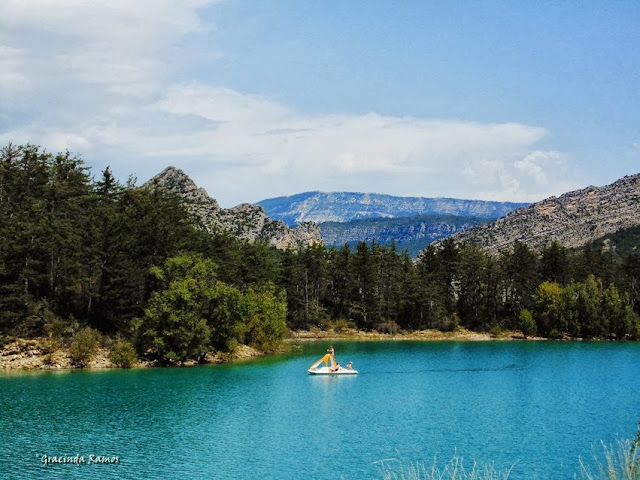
615,462
81,256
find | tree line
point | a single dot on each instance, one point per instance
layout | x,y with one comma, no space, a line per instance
125,260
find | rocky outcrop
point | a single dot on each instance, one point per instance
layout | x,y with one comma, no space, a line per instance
346,206
246,221
573,219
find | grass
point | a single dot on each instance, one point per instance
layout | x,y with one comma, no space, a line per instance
618,462
614,462
454,470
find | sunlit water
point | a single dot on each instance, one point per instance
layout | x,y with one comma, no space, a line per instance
537,407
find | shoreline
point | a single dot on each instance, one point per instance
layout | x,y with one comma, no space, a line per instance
461,334
32,354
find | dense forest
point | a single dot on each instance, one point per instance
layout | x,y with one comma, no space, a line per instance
79,254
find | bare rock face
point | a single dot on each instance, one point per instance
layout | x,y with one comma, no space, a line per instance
573,219
246,221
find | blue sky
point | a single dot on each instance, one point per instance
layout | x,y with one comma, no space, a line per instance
498,100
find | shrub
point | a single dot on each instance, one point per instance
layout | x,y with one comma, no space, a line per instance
57,328
555,333
62,331
340,325
38,315
451,325
495,331
48,360
526,323
49,346
123,354
83,347
389,327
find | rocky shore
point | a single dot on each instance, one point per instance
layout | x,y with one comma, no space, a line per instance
36,354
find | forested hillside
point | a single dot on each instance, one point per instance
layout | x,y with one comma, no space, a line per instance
79,253
408,233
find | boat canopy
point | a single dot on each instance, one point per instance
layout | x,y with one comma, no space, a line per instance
328,358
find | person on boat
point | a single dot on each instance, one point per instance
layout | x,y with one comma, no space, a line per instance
350,366
331,352
336,368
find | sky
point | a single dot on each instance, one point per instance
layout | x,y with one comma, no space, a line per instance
253,99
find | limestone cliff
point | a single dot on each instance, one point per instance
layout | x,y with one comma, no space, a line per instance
245,221
573,219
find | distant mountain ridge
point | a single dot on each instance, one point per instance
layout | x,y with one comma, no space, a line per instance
572,219
245,221
322,207
408,233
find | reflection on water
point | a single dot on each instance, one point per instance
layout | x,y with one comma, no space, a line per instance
538,407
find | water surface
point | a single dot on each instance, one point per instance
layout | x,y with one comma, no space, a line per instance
534,406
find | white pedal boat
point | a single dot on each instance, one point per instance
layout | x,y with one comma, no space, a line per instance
329,371
334,369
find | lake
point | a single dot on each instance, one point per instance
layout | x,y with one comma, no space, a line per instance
535,407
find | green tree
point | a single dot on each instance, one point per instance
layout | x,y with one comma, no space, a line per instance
364,269
520,267
473,293
434,287
589,306
410,306
146,228
526,323
447,273
292,280
224,316
123,354
314,278
555,264
615,311
631,269
83,347
340,280
45,215
548,309
175,326
570,318
264,313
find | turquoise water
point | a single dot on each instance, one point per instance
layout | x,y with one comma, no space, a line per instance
534,406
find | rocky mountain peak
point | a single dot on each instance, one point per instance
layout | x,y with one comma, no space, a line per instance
245,221
176,181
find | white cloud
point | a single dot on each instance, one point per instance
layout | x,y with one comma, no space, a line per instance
104,80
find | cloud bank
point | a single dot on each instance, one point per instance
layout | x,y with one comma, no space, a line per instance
111,82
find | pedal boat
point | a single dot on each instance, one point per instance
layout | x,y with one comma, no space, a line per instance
316,369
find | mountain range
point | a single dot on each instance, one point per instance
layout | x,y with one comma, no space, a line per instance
411,223
342,207
573,219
